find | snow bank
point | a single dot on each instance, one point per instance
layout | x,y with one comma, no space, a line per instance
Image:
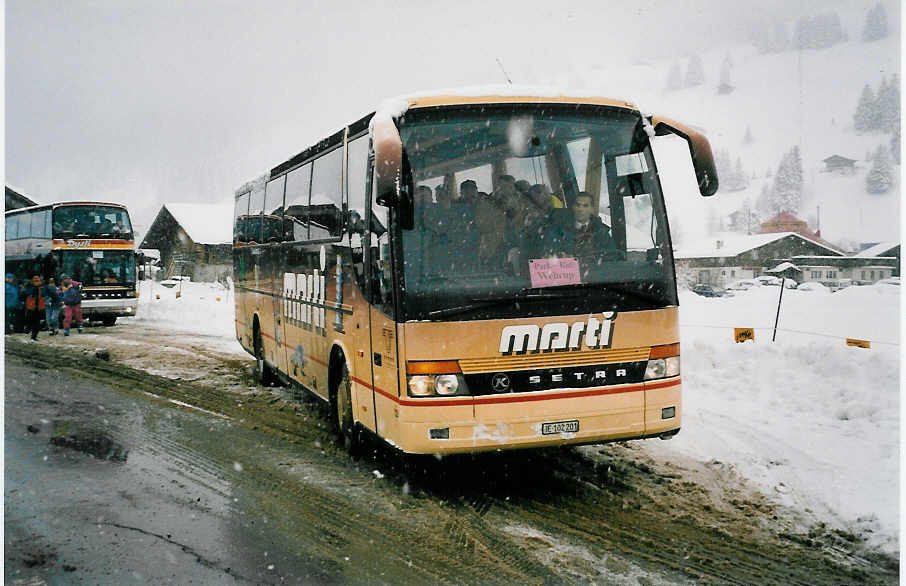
807,419
201,308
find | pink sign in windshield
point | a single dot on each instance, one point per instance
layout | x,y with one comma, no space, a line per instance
551,272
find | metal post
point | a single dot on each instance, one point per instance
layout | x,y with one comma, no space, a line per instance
776,319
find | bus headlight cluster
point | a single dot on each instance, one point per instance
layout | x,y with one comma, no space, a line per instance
445,385
662,368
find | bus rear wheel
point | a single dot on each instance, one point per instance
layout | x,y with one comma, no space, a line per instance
108,320
346,428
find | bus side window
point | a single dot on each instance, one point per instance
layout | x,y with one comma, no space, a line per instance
325,210
356,188
273,210
12,227
295,210
256,210
240,218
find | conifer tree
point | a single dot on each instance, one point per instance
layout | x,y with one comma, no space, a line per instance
725,86
747,139
865,117
875,23
895,145
880,177
695,72
787,189
887,105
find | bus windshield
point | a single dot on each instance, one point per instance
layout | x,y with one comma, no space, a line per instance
91,221
99,267
524,210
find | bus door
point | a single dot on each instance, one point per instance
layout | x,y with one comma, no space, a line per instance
384,368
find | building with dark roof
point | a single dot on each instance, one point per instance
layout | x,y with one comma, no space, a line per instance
15,200
193,240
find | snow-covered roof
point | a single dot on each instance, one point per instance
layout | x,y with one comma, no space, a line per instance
782,267
204,223
877,249
727,244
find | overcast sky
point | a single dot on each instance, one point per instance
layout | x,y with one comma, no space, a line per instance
146,102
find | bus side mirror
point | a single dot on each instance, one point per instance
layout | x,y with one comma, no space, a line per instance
699,148
388,162
391,172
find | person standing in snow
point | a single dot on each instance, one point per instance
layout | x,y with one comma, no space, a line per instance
35,305
72,304
53,304
11,303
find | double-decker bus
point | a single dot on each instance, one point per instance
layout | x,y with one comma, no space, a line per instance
468,273
92,242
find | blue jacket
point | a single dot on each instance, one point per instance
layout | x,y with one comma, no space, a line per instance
72,296
12,296
52,294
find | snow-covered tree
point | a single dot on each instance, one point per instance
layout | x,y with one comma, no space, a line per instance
695,72
887,106
875,23
740,177
675,77
880,177
818,32
764,205
747,139
895,145
866,116
787,189
725,86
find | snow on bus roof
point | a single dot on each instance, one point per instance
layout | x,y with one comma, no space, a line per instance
204,223
398,105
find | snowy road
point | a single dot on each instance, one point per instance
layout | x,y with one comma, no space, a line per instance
186,410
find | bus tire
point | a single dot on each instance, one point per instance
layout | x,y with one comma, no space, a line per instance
347,433
109,320
264,374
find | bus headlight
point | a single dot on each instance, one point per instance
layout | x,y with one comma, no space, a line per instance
421,386
446,384
662,368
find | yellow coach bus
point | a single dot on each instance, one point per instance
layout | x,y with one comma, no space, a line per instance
91,242
463,273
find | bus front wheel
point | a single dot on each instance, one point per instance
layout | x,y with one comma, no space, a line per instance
109,320
346,428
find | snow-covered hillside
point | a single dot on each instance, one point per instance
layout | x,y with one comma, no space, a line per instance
805,98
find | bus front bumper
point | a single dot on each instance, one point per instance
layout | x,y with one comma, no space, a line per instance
121,307
650,409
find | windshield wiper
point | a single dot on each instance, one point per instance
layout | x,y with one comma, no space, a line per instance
480,302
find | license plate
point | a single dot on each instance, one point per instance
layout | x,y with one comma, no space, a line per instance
560,427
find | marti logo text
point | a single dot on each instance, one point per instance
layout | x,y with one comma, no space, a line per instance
595,332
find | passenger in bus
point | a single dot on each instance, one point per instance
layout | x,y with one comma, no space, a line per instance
581,233
11,302
52,306
72,304
35,305
492,217
463,233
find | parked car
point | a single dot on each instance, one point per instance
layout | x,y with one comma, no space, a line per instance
743,285
769,280
711,291
889,281
813,286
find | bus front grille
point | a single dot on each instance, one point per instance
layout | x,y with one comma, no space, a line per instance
552,360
